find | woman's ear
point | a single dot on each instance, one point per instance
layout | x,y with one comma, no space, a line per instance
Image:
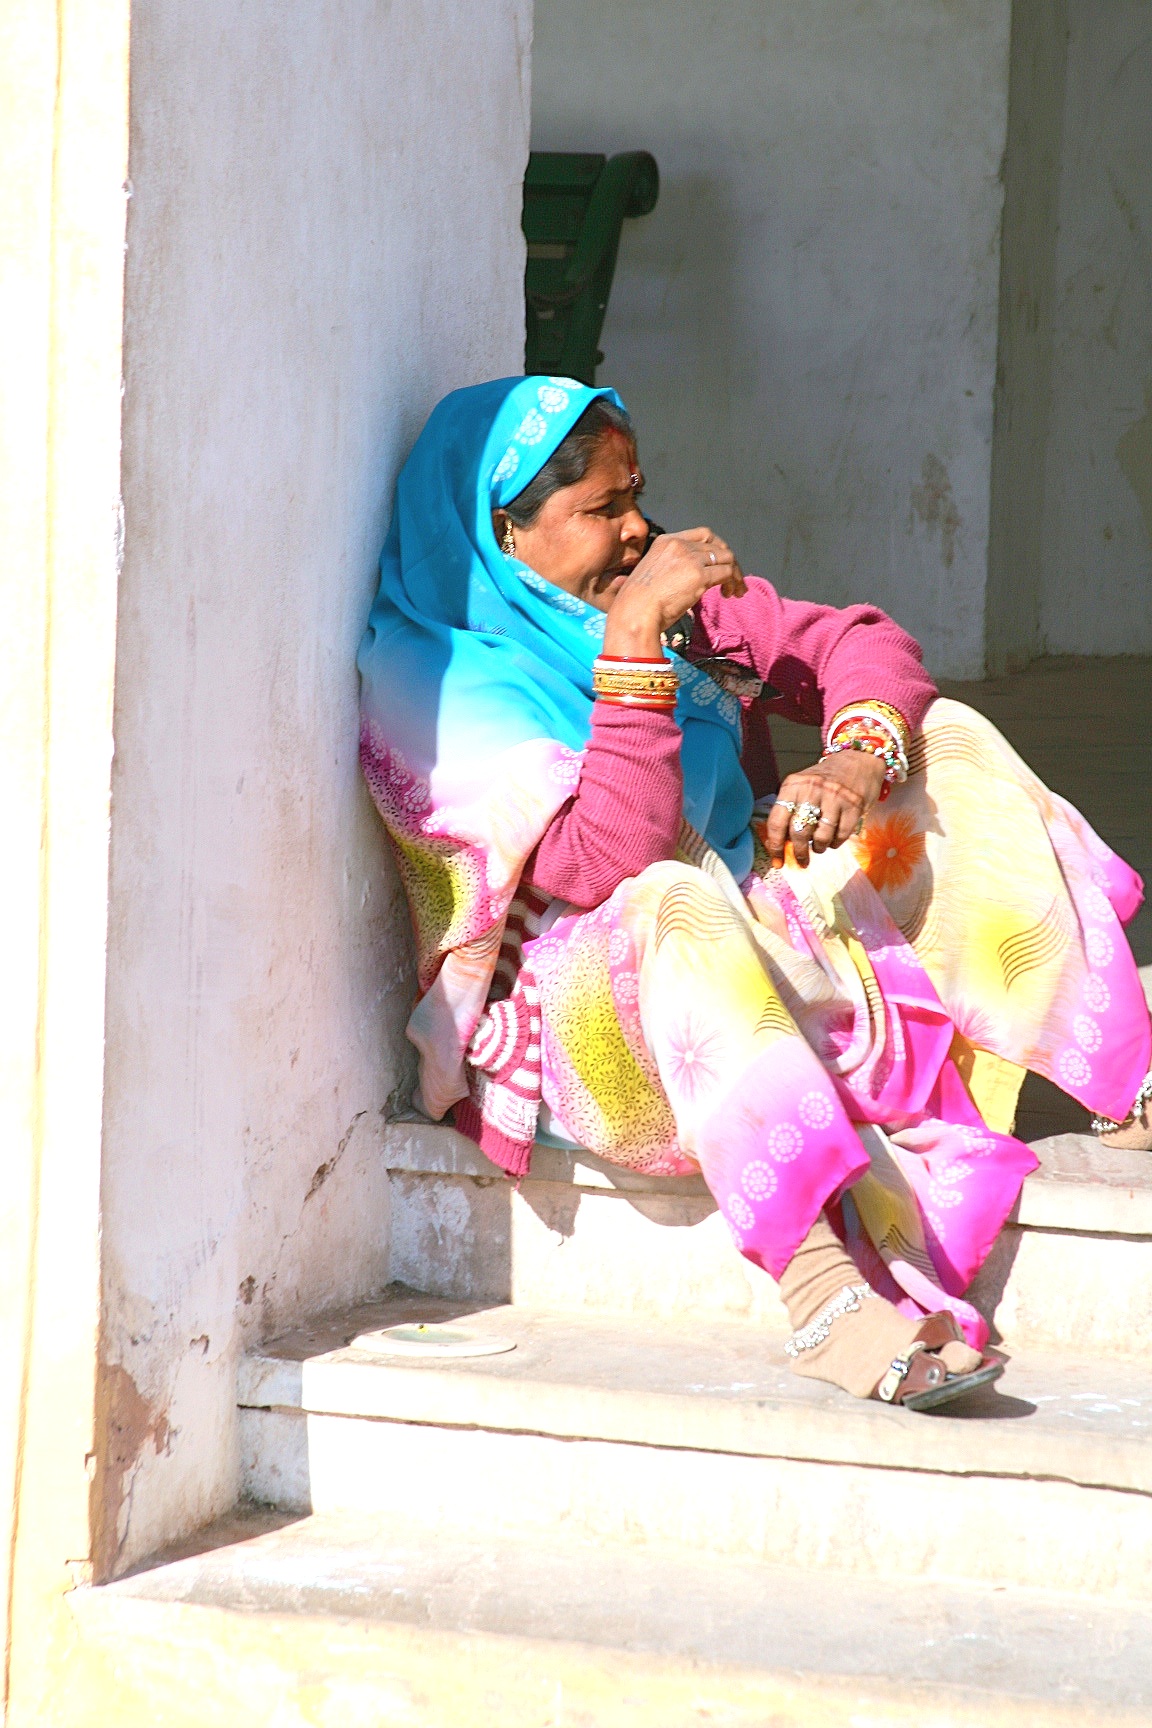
499,524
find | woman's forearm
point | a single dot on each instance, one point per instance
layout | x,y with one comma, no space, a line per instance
624,815
820,658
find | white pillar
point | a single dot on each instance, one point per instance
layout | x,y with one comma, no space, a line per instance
200,1027
63,143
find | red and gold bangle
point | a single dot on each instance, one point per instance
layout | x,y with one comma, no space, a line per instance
881,713
635,683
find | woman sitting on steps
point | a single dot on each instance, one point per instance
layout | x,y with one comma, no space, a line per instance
824,996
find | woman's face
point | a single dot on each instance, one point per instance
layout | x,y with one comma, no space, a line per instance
588,538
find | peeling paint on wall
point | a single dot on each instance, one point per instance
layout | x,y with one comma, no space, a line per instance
935,505
128,1424
1134,454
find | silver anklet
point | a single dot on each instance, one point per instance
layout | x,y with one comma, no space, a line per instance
846,1302
1105,1124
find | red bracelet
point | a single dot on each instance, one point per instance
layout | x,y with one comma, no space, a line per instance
635,659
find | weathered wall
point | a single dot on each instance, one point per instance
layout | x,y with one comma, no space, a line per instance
323,238
1097,536
806,325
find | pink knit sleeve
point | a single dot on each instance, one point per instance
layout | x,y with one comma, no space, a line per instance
625,813
818,658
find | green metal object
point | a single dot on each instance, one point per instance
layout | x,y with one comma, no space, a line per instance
574,209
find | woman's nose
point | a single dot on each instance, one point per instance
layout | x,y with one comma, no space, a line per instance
633,525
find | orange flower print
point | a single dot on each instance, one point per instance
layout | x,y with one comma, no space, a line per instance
889,851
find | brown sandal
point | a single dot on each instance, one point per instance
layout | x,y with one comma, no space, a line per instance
919,1379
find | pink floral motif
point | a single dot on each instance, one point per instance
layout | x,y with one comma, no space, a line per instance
1074,1070
816,1110
693,1058
401,796
740,1212
758,1180
1099,947
785,1142
1087,1033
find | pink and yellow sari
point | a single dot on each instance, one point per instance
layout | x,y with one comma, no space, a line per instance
849,1037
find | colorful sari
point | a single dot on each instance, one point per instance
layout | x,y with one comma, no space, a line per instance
849,1037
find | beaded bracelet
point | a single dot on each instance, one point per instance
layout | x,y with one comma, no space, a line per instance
879,713
876,728
895,768
635,683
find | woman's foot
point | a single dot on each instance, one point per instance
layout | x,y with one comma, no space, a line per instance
937,1367
1134,1135
848,1335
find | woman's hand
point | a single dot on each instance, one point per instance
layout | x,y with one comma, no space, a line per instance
843,788
668,580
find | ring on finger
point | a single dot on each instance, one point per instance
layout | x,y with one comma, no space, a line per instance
807,816
786,804
826,821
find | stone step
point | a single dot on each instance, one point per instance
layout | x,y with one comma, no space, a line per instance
337,1622
695,1432
1073,1269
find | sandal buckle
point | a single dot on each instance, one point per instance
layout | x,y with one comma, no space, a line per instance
894,1378
898,1373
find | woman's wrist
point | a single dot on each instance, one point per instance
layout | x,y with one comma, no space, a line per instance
633,635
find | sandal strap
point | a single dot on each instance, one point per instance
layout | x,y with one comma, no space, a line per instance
918,1370
897,1373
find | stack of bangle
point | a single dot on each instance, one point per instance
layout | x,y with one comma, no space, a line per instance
636,682
878,729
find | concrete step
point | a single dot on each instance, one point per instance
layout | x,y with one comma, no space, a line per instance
695,1432
360,1622
1072,1270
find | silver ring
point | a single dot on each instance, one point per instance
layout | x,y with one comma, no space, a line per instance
831,820
786,804
711,557
807,816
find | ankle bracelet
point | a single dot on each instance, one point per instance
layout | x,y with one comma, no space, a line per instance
846,1302
1105,1124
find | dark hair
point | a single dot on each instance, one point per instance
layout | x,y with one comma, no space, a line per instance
571,460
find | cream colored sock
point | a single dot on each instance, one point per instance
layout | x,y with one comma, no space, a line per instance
861,1342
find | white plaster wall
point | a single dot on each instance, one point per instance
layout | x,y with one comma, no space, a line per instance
323,239
1097,542
805,327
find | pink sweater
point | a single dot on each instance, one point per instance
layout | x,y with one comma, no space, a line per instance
625,813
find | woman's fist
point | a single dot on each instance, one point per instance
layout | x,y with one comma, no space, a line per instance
670,578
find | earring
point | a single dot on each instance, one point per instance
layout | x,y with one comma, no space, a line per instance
508,543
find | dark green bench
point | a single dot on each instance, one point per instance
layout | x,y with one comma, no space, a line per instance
574,208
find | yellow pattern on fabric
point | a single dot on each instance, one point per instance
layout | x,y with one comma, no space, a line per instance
441,888
993,1082
632,1112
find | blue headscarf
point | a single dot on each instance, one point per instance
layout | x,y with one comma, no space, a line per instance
469,652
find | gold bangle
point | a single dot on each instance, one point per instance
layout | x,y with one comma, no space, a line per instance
652,702
883,711
644,683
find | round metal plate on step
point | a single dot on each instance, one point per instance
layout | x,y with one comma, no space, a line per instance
429,1341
